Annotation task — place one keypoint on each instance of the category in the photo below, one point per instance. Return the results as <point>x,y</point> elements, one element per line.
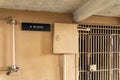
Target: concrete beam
<point>90,8</point>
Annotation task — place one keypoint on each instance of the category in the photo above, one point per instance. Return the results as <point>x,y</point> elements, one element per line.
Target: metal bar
<point>101,70</point>
<point>104,57</point>
<point>100,57</point>
<point>110,56</point>
<point>118,53</point>
<point>99,28</point>
<point>85,29</point>
<point>95,24</point>
<point>92,45</point>
<point>83,55</point>
<point>80,54</point>
<point>100,34</point>
<point>95,50</point>
<point>89,57</point>
<point>105,54</point>
<point>85,50</point>
<point>98,54</point>
<point>118,56</point>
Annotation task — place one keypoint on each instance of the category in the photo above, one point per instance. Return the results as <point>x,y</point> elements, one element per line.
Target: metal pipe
<point>13,22</point>
<point>76,64</point>
<point>84,29</point>
<point>13,41</point>
<point>64,67</point>
<point>83,55</point>
<point>14,68</point>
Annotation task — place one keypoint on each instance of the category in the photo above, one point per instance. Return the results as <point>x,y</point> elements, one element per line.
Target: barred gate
<point>99,56</point>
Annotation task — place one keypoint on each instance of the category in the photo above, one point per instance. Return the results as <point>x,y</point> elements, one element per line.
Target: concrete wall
<point>33,48</point>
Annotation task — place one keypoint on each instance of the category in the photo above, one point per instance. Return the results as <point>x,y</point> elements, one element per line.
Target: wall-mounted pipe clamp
<point>12,69</point>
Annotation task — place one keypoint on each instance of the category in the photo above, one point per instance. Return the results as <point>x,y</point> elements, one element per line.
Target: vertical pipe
<point>77,62</point>
<point>76,66</point>
<point>64,67</point>
<point>13,22</point>
<point>13,42</point>
<point>13,68</point>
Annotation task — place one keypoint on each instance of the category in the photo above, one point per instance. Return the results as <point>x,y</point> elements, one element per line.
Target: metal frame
<point>99,47</point>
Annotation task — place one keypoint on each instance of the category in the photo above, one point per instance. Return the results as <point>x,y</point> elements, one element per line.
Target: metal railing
<point>99,47</point>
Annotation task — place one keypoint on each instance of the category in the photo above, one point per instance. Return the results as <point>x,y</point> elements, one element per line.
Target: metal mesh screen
<point>99,53</point>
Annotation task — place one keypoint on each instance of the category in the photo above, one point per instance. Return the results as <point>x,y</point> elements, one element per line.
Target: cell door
<point>99,53</point>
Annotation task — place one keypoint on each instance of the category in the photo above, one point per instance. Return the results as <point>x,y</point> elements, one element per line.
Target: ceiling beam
<point>90,8</point>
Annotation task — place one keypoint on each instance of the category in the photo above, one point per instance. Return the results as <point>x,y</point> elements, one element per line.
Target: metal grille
<point>99,53</point>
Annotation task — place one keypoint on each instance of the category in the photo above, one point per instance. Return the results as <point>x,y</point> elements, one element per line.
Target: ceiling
<point>112,10</point>
<point>62,6</point>
<point>95,7</point>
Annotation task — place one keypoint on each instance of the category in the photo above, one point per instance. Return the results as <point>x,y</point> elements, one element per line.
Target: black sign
<point>35,27</point>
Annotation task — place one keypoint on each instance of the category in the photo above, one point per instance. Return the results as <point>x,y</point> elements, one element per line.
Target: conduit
<point>64,67</point>
<point>64,56</point>
<point>14,68</point>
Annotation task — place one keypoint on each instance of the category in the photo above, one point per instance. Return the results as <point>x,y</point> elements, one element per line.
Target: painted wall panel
<point>33,48</point>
